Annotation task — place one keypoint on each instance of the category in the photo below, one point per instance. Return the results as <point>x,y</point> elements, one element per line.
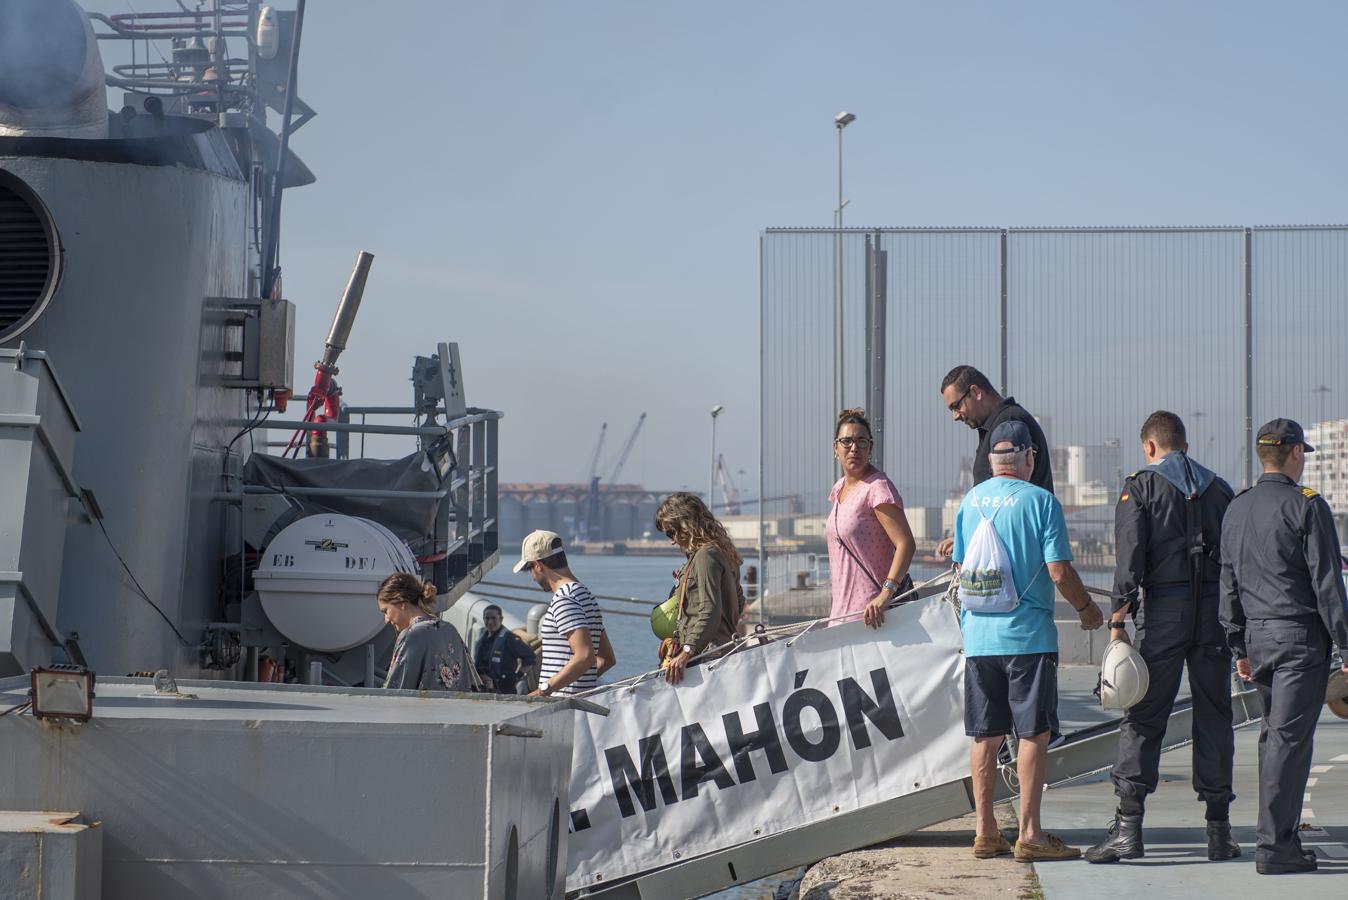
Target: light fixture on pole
<point>711,482</point>
<point>1321,390</point>
<point>841,121</point>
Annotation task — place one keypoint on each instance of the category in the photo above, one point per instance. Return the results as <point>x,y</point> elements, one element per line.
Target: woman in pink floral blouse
<point>870,545</point>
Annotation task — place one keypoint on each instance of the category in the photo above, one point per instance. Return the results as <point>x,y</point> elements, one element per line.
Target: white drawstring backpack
<point>986,582</point>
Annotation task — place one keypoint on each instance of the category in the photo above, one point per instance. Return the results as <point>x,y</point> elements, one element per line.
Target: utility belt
<point>1179,590</point>
<point>1309,618</point>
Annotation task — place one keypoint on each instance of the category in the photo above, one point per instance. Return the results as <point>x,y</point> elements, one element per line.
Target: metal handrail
<point>280,425</point>
<point>636,601</point>
<point>607,612</point>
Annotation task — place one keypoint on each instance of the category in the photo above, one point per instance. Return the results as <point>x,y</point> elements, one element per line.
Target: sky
<point>574,191</point>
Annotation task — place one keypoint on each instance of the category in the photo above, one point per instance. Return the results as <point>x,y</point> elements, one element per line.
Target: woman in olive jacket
<point>710,581</point>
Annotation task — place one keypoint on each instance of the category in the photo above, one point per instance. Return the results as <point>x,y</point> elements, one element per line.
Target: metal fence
<point>1091,329</point>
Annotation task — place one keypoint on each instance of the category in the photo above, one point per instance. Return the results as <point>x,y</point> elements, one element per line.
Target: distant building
<point>1327,468</point>
<point>625,511</point>
<point>1087,474</point>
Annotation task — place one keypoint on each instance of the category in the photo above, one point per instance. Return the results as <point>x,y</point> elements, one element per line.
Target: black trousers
<point>1172,633</point>
<point>1290,662</point>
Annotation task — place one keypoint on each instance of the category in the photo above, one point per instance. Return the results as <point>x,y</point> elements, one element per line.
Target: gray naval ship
<point>210,598</point>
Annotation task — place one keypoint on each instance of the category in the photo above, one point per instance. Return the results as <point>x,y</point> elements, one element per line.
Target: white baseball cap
<point>538,545</point>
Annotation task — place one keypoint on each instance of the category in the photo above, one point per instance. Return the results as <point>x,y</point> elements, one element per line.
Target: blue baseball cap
<point>1013,432</point>
<point>1283,431</point>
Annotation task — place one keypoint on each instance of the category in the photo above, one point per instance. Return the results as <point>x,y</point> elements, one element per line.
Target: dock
<point>939,862</point>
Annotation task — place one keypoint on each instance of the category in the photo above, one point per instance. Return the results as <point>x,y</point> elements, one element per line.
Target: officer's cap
<point>1013,432</point>
<point>1282,431</point>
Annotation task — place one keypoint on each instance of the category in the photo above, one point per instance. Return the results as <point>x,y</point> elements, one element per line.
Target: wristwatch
<point>1123,625</point>
<point>688,648</point>
<point>546,688</point>
<point>893,586</point>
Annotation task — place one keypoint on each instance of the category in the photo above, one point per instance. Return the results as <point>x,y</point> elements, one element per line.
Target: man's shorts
<point>1011,695</point>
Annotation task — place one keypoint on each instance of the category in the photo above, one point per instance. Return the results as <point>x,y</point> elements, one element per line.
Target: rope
<point>763,634</point>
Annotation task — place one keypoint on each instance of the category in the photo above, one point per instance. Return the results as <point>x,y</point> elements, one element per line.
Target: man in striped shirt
<point>576,649</point>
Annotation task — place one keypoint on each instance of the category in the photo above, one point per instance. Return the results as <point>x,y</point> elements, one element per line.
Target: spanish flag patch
<point>1124,498</point>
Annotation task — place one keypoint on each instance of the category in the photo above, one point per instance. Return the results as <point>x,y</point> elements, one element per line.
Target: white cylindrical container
<point>318,578</point>
<point>268,33</point>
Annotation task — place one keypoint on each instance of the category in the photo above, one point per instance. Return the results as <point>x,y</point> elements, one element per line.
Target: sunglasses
<point>958,403</point>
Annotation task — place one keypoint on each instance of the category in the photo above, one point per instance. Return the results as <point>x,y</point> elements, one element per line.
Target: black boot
<point>1286,867</point>
<point>1220,844</point>
<point>1123,842</point>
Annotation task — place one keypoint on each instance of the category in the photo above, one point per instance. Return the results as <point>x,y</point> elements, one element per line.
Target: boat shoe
<point>1051,849</point>
<point>988,847</point>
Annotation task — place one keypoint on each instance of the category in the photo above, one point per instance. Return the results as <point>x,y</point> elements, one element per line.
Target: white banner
<point>765,741</point>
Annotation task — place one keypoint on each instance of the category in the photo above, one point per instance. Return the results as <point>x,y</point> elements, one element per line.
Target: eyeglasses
<point>848,443</point>
<point>669,533</point>
<point>958,403</point>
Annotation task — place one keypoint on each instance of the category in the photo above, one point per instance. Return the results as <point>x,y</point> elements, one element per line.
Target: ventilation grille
<point>27,261</point>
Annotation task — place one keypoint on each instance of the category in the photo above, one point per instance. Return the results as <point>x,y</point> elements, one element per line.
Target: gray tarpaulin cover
<point>411,519</point>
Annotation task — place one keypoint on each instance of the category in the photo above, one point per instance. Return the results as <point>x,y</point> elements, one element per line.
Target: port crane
<point>730,505</point>
<point>591,527</point>
<point>590,523</point>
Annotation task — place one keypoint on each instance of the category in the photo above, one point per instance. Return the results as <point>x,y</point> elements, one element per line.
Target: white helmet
<point>1123,676</point>
<point>1336,694</point>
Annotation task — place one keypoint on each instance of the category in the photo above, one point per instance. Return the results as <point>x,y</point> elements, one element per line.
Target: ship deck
<point>135,698</point>
<point>937,862</point>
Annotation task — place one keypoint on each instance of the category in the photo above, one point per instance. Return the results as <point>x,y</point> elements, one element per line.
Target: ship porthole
<point>30,256</point>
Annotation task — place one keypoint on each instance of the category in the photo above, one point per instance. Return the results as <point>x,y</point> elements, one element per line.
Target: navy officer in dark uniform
<point>1168,527</point>
<point>1282,604</point>
<point>499,653</point>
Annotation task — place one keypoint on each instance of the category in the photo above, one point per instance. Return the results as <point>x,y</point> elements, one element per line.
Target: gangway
<point>1081,753</point>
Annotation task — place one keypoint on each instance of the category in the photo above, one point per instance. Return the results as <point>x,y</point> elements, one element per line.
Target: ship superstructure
<point>146,344</point>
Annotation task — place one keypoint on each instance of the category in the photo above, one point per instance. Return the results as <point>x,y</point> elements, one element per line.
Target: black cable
<point>264,411</point>
<point>21,706</point>
<point>140,590</point>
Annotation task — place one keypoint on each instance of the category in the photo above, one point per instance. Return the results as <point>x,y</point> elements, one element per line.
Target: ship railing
<point>466,542</point>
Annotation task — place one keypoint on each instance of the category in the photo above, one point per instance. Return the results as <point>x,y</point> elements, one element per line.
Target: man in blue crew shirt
<point>1011,658</point>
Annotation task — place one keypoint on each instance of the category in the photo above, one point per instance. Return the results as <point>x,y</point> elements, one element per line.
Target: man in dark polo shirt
<point>971,399</point>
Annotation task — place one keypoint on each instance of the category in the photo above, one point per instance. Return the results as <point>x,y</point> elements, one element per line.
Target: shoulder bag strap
<point>842,543</point>
<point>683,582</point>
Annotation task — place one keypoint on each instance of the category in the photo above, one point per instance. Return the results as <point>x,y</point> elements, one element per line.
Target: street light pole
<point>841,121</point>
<point>711,481</point>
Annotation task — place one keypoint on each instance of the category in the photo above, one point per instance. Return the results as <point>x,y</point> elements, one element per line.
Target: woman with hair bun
<point>709,585</point>
<point>870,545</point>
<point>429,655</point>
